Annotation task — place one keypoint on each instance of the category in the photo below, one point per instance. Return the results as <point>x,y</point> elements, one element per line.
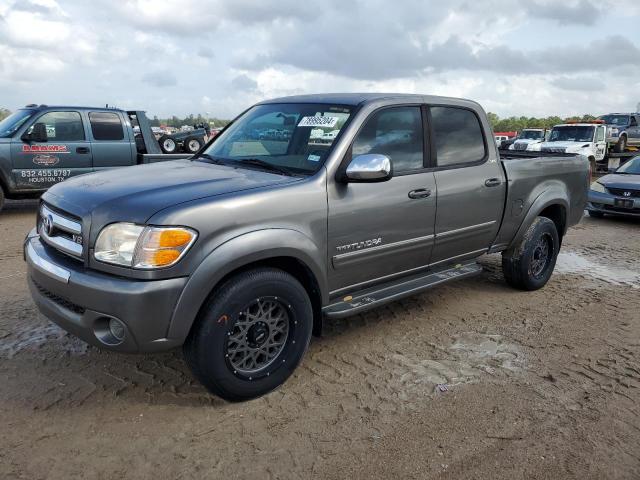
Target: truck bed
<point>533,176</point>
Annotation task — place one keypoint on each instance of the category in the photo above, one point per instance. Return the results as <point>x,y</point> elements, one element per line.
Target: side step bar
<point>388,292</point>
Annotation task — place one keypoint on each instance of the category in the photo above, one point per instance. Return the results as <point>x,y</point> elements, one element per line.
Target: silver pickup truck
<point>239,253</point>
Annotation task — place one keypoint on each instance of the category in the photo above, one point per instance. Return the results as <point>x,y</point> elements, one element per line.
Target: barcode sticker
<point>328,122</point>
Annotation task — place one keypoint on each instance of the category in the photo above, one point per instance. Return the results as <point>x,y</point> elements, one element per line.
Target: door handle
<point>82,150</point>
<point>420,193</point>
<point>492,182</point>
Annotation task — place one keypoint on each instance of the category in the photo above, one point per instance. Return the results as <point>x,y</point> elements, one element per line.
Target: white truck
<point>584,138</point>
<point>530,139</point>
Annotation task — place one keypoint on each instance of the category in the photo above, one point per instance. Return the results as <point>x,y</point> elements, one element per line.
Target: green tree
<point>4,113</point>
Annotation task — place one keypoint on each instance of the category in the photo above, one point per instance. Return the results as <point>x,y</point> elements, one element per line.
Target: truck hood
<point>528,140</point>
<point>134,194</point>
<point>623,182</point>
<point>570,146</point>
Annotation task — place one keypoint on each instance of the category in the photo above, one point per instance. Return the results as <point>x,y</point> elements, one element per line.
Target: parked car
<point>584,138</point>
<point>530,139</point>
<point>617,193</point>
<point>239,256</point>
<point>43,145</point>
<point>499,139</point>
<point>623,129</point>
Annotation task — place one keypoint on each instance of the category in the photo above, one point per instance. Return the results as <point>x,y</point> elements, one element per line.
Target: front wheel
<point>529,265</point>
<point>621,146</point>
<point>251,334</point>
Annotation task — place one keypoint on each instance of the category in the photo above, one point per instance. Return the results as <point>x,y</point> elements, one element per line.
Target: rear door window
<point>62,126</point>
<point>458,136</point>
<point>397,133</point>
<point>106,126</point>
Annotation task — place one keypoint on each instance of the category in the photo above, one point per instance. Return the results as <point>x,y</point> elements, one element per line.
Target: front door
<point>471,185</point>
<point>601,142</point>
<point>380,230</point>
<point>633,132</point>
<point>67,152</point>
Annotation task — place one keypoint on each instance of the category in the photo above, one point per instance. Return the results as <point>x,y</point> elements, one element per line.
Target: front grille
<point>60,231</point>
<point>622,192</point>
<point>554,149</point>
<point>520,146</point>
<point>57,299</point>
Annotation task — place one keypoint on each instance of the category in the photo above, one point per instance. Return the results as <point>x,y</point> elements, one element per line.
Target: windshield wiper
<point>210,159</point>
<point>265,165</point>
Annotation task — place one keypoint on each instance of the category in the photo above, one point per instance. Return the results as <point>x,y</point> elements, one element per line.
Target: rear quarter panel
<point>537,183</point>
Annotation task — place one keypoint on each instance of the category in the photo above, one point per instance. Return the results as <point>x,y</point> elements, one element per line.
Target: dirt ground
<point>469,380</point>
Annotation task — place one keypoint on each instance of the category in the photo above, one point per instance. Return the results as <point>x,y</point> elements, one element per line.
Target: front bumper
<point>605,203</point>
<point>83,301</point>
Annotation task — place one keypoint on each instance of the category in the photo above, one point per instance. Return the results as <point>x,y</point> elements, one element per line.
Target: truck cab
<point>42,145</point>
<point>530,139</point>
<point>584,138</point>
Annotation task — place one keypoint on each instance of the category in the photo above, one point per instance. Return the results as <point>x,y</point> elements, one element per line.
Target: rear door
<point>470,181</point>
<point>67,152</point>
<point>380,230</point>
<point>110,141</point>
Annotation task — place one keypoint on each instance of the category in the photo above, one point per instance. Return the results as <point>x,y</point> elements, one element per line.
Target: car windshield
<point>571,133</point>
<point>13,122</point>
<point>531,135</point>
<point>295,138</point>
<point>631,167</point>
<point>615,119</point>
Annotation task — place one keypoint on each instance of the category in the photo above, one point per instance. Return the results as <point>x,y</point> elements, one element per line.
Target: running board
<point>388,292</point>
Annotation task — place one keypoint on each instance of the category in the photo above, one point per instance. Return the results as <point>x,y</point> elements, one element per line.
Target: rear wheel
<point>251,334</point>
<point>621,146</point>
<point>529,265</point>
<point>168,144</point>
<point>192,144</point>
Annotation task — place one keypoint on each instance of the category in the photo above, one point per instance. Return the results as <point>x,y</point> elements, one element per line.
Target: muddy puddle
<point>35,338</point>
<point>470,356</point>
<point>577,264</point>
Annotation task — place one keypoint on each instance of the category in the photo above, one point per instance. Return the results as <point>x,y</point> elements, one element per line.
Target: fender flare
<point>548,198</point>
<point>236,253</point>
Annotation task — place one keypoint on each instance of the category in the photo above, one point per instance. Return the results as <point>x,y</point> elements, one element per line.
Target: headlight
<point>511,147</point>
<point>597,187</point>
<point>136,246</point>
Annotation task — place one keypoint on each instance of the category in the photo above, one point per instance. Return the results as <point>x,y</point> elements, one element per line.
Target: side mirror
<point>38,133</point>
<point>370,167</point>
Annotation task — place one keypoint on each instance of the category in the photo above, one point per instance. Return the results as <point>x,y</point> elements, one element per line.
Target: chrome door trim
<point>448,233</point>
<point>348,258</point>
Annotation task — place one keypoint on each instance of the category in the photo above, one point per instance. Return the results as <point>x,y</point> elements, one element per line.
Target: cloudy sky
<point>533,57</point>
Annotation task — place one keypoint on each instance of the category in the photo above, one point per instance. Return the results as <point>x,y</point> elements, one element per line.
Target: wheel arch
<point>552,204</point>
<point>287,250</point>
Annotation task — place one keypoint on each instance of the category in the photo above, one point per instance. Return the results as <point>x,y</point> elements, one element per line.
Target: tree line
<point>518,123</point>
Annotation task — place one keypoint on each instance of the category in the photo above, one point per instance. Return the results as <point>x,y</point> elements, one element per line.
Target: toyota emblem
<point>47,225</point>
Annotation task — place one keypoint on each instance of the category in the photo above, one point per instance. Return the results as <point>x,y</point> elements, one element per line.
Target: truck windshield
<point>572,133</point>
<point>531,135</point>
<point>290,137</point>
<point>615,119</point>
<point>13,122</point>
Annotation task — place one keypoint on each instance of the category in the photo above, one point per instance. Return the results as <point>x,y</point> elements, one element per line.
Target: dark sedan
<point>617,193</point>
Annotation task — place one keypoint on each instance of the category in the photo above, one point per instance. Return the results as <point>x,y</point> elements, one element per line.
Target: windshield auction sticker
<point>326,122</point>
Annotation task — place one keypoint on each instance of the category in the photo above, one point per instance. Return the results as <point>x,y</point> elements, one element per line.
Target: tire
<point>1,198</point>
<point>594,214</point>
<point>621,146</point>
<point>229,331</point>
<point>168,144</point>
<point>526,266</point>
<point>192,144</point>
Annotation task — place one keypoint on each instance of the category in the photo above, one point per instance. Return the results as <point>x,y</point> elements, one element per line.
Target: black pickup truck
<point>43,145</point>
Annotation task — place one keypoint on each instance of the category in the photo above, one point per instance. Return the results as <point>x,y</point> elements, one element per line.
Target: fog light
<point>117,329</point>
